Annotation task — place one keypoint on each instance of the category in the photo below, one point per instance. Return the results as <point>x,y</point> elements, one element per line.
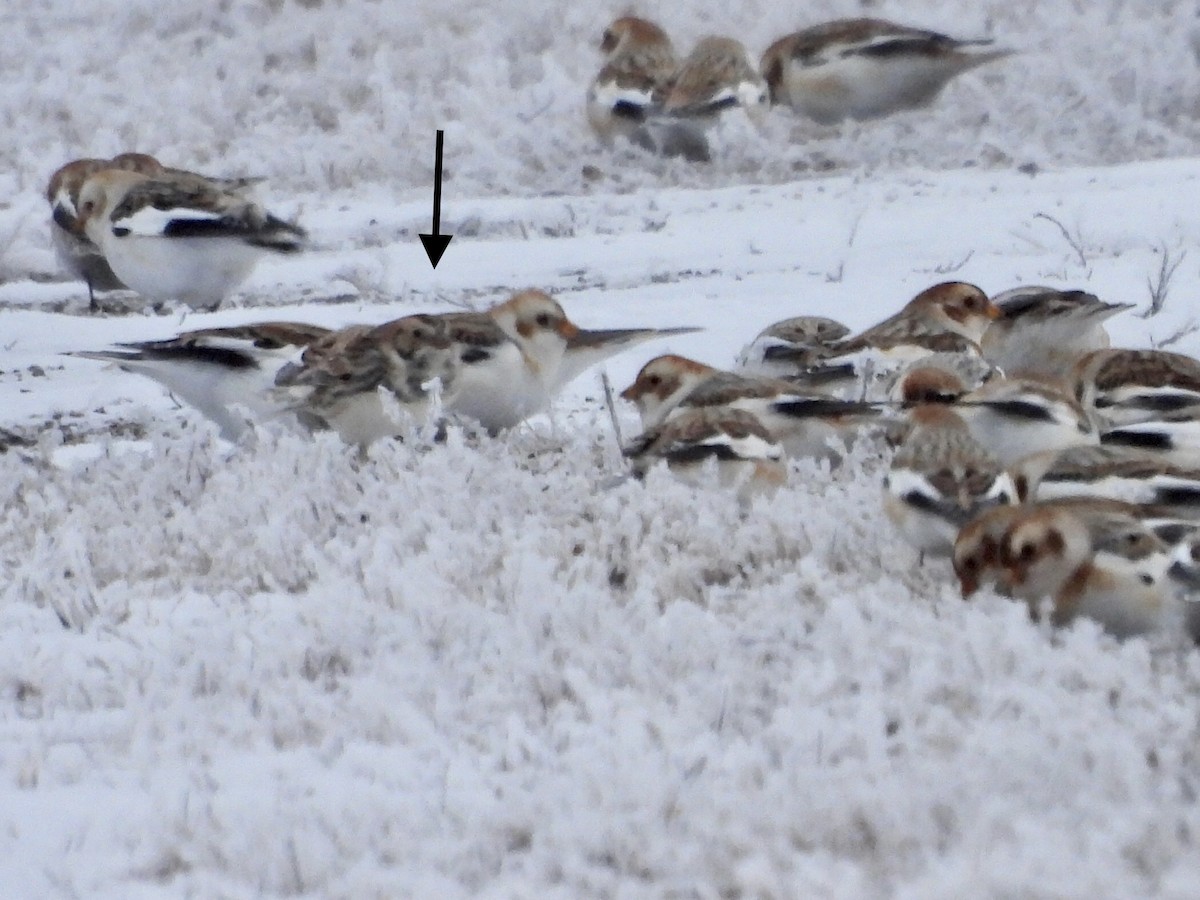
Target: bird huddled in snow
<point>1096,559</point>
<point>174,235</point>
<point>804,423</point>
<point>646,94</point>
<point>627,93</point>
<point>1014,417</point>
<point>941,478</point>
<point>76,250</point>
<point>745,454</point>
<point>797,348</point>
<point>520,354</point>
<point>947,318</point>
<point>341,379</point>
<point>1128,387</point>
<point>866,68</point>
<point>715,77</point>
<point>1041,332</point>
<point>1110,473</point>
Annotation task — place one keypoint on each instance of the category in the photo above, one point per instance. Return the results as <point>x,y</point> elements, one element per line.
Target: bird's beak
<point>969,586</point>
<point>993,312</point>
<point>587,338</point>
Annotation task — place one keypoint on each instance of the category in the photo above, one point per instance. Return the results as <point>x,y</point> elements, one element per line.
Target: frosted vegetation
<point>464,670</point>
<point>322,95</point>
<point>492,667</point>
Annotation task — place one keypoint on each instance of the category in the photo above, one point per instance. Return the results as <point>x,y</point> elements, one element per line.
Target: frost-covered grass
<point>465,670</point>
<point>322,95</point>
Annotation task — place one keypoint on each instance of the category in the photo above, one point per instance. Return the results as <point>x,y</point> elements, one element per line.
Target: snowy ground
<point>477,669</point>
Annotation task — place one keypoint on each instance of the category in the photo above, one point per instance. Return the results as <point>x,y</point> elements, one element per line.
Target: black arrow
<point>436,243</point>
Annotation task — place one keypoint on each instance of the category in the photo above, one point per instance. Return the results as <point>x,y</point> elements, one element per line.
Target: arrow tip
<point>435,246</point>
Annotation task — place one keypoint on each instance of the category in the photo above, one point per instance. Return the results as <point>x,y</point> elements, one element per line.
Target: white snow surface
<point>489,668</point>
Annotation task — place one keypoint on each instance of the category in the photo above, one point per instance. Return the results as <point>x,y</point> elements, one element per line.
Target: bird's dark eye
<point>1028,552</point>
<point>87,207</point>
<point>543,320</point>
<point>970,564</point>
<point>654,381</point>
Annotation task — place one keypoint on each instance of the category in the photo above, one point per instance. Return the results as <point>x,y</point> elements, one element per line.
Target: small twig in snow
<point>606,383</point>
<point>1075,240</point>
<point>1178,335</point>
<point>947,268</point>
<point>854,227</point>
<point>1160,287</point>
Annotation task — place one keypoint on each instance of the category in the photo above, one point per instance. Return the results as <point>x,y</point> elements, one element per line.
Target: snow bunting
<point>865,68</point>
<point>1174,436</point>
<point>146,164</point>
<point>1043,331</point>
<point>717,75</point>
<point>74,250</point>
<point>1096,559</point>
<point>976,554</point>
<point>806,425</point>
<point>745,453</point>
<point>1014,417</point>
<point>78,254</point>
<point>949,308</point>
<point>174,238</point>
<point>940,479</point>
<point>1130,386</point>
<point>663,383</point>
<point>517,356</point>
<point>796,348</point>
<point>1113,473</point>
<point>225,373</point>
<point>946,318</point>
<point>939,378</point>
<point>340,376</point>
<point>631,86</point>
